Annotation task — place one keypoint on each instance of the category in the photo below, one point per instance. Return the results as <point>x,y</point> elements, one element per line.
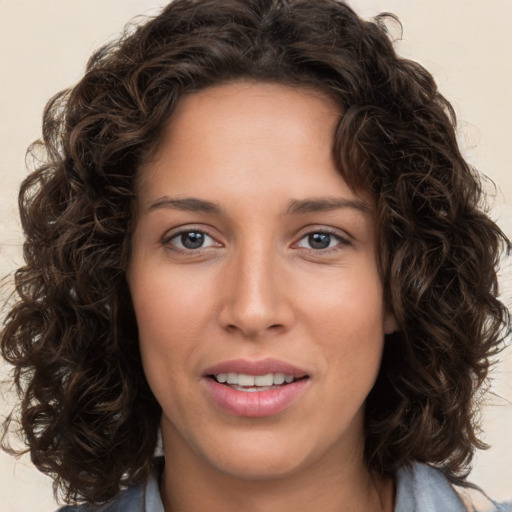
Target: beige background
<point>467,44</point>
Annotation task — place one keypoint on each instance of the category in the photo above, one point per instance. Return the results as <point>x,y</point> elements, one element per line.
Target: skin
<point>256,288</point>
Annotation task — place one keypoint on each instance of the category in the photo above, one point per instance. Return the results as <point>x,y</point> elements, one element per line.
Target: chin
<point>260,467</point>
<point>260,455</point>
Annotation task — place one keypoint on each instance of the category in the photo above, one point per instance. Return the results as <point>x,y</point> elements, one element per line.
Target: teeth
<point>241,379</point>
<point>279,378</point>
<point>245,380</point>
<point>264,380</point>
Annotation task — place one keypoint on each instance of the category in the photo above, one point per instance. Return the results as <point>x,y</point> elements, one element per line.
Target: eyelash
<point>168,240</point>
<point>341,241</point>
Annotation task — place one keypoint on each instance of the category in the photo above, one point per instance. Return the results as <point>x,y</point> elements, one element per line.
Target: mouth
<point>255,383</point>
<point>255,388</point>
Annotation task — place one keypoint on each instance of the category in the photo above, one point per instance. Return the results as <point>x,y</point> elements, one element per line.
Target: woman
<point>255,235</point>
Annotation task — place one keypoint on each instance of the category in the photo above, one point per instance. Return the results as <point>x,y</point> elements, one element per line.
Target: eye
<point>321,240</point>
<point>190,240</point>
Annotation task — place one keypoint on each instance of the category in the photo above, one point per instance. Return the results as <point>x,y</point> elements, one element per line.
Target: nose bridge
<point>254,301</point>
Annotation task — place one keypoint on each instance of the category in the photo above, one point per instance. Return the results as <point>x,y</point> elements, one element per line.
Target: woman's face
<point>254,262</point>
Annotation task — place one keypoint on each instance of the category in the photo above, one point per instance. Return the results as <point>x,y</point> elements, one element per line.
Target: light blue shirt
<point>420,488</point>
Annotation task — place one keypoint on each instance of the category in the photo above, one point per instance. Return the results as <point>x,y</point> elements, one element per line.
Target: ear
<point>390,324</point>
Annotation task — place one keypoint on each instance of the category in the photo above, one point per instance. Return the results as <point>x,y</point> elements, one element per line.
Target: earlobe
<point>390,324</point>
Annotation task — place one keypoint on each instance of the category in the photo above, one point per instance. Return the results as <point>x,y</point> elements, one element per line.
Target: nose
<point>255,295</point>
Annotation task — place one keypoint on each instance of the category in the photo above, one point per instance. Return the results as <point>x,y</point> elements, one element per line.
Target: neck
<point>189,485</point>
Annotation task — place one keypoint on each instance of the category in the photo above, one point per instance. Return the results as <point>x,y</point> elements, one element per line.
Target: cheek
<point>350,302</point>
<point>346,317</point>
<point>166,354</point>
<point>163,320</point>
<point>173,308</point>
<point>169,304</point>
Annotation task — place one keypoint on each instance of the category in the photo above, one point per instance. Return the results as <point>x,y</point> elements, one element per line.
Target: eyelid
<point>343,238</point>
<point>176,232</point>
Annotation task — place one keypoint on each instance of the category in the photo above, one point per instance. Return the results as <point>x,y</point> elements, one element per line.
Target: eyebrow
<point>322,204</point>
<point>296,206</point>
<point>188,204</point>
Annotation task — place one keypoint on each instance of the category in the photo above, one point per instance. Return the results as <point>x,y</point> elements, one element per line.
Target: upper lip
<point>253,367</point>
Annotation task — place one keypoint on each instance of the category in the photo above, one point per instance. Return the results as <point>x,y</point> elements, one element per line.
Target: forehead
<point>203,121</point>
<point>250,137</point>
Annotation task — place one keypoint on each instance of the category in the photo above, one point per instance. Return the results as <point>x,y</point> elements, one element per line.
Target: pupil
<point>192,240</point>
<point>319,240</point>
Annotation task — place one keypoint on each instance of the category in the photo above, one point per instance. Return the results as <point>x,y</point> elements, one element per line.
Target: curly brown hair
<point>87,414</point>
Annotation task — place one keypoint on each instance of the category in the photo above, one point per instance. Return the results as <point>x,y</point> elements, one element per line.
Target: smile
<point>255,388</point>
<point>250,383</point>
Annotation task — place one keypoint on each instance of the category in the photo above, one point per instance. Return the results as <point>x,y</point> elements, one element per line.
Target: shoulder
<point>422,488</point>
<point>129,500</point>
<point>140,498</point>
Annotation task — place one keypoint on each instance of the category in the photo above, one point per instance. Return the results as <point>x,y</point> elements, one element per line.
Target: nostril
<point>249,330</point>
<point>254,319</point>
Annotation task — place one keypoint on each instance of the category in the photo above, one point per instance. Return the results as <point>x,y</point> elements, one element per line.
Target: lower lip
<point>255,404</point>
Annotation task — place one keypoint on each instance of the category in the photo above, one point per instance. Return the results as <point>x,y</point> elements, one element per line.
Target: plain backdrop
<point>466,44</point>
